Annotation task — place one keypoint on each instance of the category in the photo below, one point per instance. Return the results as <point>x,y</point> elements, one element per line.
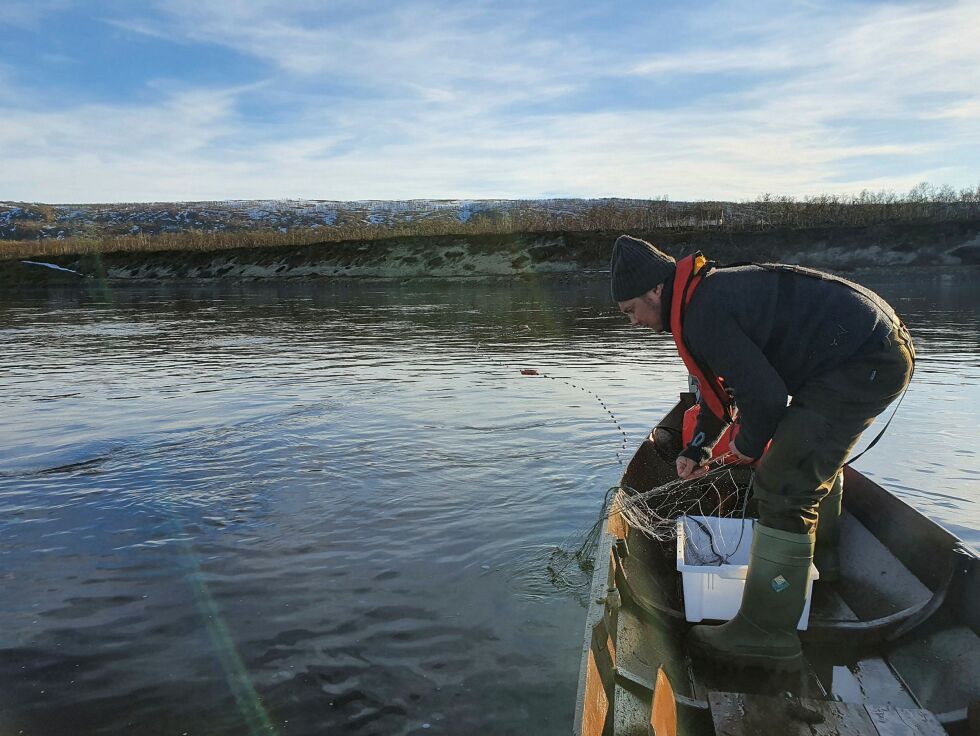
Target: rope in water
<point>534,372</point>
<point>622,449</point>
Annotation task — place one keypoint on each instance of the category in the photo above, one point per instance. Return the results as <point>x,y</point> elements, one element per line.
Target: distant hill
<point>136,226</point>
<point>462,238</point>
<point>21,221</point>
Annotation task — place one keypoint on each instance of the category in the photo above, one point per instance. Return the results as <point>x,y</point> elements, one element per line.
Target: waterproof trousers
<point>821,427</point>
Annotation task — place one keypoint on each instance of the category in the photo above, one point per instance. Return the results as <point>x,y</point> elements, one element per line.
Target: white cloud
<point>423,42</point>
<point>440,108</point>
<point>719,61</point>
<point>185,123</point>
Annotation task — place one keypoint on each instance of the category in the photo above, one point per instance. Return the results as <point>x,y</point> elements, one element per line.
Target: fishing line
<point>534,372</point>
<point>622,449</point>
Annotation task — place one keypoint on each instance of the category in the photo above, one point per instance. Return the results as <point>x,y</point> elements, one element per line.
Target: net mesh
<point>721,492</point>
<point>655,512</point>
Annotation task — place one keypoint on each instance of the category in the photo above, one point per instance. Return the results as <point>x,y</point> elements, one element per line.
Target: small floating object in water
<point>529,372</point>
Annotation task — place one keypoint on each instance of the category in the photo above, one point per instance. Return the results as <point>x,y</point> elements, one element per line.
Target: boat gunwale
<point>962,565</point>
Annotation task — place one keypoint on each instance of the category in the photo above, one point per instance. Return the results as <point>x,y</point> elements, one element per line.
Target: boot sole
<point>744,660</point>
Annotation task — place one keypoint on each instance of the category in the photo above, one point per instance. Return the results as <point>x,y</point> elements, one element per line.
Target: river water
<point>306,508</point>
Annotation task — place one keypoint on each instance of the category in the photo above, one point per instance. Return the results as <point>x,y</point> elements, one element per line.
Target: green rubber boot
<point>763,632</point>
<point>826,553</point>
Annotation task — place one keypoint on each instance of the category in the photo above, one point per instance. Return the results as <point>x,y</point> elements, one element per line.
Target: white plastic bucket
<point>713,559</point>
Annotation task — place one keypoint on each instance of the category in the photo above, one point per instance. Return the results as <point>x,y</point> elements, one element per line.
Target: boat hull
<point>896,636</point>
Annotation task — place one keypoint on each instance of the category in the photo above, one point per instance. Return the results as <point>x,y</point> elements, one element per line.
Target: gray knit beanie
<point>636,267</point>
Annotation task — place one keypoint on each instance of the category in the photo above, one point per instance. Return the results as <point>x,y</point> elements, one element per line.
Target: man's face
<point>645,310</point>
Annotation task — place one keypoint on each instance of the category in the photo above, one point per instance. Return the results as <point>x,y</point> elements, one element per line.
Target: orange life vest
<point>690,272</point>
<point>724,442</point>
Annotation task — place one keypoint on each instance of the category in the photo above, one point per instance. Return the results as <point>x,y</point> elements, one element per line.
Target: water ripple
<point>343,509</point>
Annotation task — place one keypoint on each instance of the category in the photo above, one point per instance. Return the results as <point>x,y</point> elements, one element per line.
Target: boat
<point>891,648</point>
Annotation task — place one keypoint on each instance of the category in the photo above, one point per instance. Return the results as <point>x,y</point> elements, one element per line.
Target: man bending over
<point>753,336</point>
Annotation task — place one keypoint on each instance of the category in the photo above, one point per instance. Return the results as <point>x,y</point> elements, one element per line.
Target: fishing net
<point>722,492</point>
<point>654,513</point>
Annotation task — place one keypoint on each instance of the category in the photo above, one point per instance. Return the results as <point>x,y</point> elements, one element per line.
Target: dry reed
<point>922,204</point>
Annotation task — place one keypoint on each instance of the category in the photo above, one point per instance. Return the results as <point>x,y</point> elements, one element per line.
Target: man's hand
<point>743,459</point>
<point>687,468</point>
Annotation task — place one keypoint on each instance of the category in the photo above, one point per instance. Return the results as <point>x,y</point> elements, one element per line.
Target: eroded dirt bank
<point>571,253</point>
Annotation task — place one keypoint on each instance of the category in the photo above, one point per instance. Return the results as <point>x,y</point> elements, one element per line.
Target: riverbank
<point>517,254</point>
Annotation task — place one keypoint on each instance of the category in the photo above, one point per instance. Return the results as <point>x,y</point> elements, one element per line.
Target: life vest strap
<point>690,273</point>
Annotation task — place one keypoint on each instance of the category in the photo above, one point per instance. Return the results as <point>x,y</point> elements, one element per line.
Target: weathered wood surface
<point>740,714</point>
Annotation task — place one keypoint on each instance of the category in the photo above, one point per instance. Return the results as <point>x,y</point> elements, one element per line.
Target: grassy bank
<point>569,254</point>
<point>46,231</point>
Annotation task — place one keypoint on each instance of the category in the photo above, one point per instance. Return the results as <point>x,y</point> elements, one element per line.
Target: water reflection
<point>341,499</point>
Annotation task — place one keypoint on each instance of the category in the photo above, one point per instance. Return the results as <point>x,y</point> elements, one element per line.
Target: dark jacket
<point>767,330</point>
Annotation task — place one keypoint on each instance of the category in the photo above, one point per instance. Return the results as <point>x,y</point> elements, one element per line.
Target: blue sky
<point>112,100</point>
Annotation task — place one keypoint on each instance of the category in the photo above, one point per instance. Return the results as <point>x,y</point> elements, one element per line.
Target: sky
<point>184,100</point>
